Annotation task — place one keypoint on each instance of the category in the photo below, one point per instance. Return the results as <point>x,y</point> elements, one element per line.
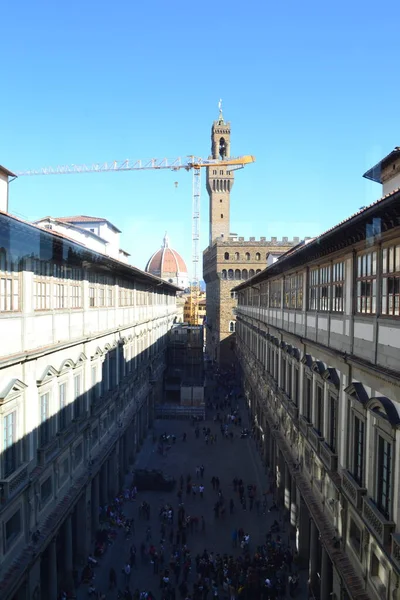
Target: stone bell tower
<point>219,181</point>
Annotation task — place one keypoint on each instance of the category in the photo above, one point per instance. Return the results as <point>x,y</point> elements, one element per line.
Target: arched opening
<point>226,255</point>
<point>222,216</point>
<point>258,271</point>
<point>222,148</point>
<point>238,274</point>
<point>230,274</point>
<point>232,326</point>
<point>221,200</point>
<point>245,274</point>
<point>251,273</point>
<point>247,255</point>
<point>236,255</point>
<point>258,256</point>
<point>223,274</point>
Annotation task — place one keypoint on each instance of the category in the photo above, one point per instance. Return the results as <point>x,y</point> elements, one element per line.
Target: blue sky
<point>311,90</point>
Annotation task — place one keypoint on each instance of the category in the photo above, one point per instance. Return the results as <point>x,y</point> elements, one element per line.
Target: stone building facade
<point>318,346</point>
<point>228,258</point>
<point>224,264</point>
<point>83,342</point>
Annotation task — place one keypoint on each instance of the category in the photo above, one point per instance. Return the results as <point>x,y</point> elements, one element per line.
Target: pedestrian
<point>202,471</point>
<point>127,573</point>
<point>112,579</point>
<point>201,490</point>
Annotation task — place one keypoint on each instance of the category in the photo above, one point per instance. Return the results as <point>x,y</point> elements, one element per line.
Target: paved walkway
<point>224,459</point>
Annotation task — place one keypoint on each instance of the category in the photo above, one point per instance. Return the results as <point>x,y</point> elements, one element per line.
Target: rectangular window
<point>338,287</point>
<point>76,296</point>
<point>42,295</point>
<point>62,415</point>
<point>391,281</point>
<point>307,399</point>
<point>319,411</point>
<point>59,296</point>
<point>324,287</point>
<point>44,430</point>
<point>110,297</point>
<point>283,373</point>
<point>46,490</point>
<point>296,380</point>
<point>13,528</point>
<point>78,398</point>
<point>358,450</point>
<point>101,296</point>
<point>384,476</point>
<point>10,451</point>
<point>275,294</point>
<point>289,379</point>
<point>92,296</point>
<point>293,286</point>
<point>313,289</point>
<point>9,293</point>
<point>355,537</point>
<point>366,283</point>
<point>333,416</point>
<point>93,385</point>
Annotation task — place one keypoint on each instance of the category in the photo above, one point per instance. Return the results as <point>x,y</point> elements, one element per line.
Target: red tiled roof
<point>166,260</point>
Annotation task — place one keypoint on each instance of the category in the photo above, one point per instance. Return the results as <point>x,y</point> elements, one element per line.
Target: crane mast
<point>189,163</point>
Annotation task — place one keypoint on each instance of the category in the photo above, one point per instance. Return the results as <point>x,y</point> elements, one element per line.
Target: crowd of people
<point>246,570</point>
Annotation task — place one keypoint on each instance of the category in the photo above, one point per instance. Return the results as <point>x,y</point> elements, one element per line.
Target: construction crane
<point>190,163</point>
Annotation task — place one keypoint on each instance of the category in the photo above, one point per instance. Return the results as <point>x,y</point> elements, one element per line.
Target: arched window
<point>226,255</point>
<point>232,326</point>
<point>220,199</point>
<point>237,255</point>
<point>222,216</point>
<point>223,274</point>
<point>230,274</point>
<point>247,255</point>
<point>258,271</point>
<point>251,273</point>
<point>258,256</point>
<point>238,274</point>
<point>214,186</point>
<point>229,186</point>
<point>244,274</point>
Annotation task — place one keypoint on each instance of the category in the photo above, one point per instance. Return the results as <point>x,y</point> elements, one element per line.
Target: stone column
<point>104,484</point>
<point>67,558</point>
<point>287,489</point>
<point>293,509</point>
<point>53,584</point>
<point>303,540</point>
<point>111,476</point>
<point>326,575</point>
<point>95,503</point>
<point>314,558</point>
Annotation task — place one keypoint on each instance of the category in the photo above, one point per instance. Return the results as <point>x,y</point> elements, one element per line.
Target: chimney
<point>4,175</point>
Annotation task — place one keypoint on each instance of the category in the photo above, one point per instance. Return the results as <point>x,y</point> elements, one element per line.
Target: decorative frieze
<point>13,484</point>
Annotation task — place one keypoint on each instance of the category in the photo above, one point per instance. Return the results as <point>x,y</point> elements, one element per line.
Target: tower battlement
<point>273,241</point>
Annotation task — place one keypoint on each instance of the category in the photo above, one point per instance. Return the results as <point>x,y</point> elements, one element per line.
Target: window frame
<point>366,279</point>
<point>390,271</point>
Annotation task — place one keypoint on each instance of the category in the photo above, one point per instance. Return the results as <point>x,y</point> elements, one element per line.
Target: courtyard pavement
<point>223,459</point>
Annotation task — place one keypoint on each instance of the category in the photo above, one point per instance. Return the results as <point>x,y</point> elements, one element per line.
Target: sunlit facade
<point>82,357</point>
<point>318,344</point>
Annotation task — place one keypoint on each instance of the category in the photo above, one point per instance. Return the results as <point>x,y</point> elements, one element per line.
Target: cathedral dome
<point>169,265</point>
